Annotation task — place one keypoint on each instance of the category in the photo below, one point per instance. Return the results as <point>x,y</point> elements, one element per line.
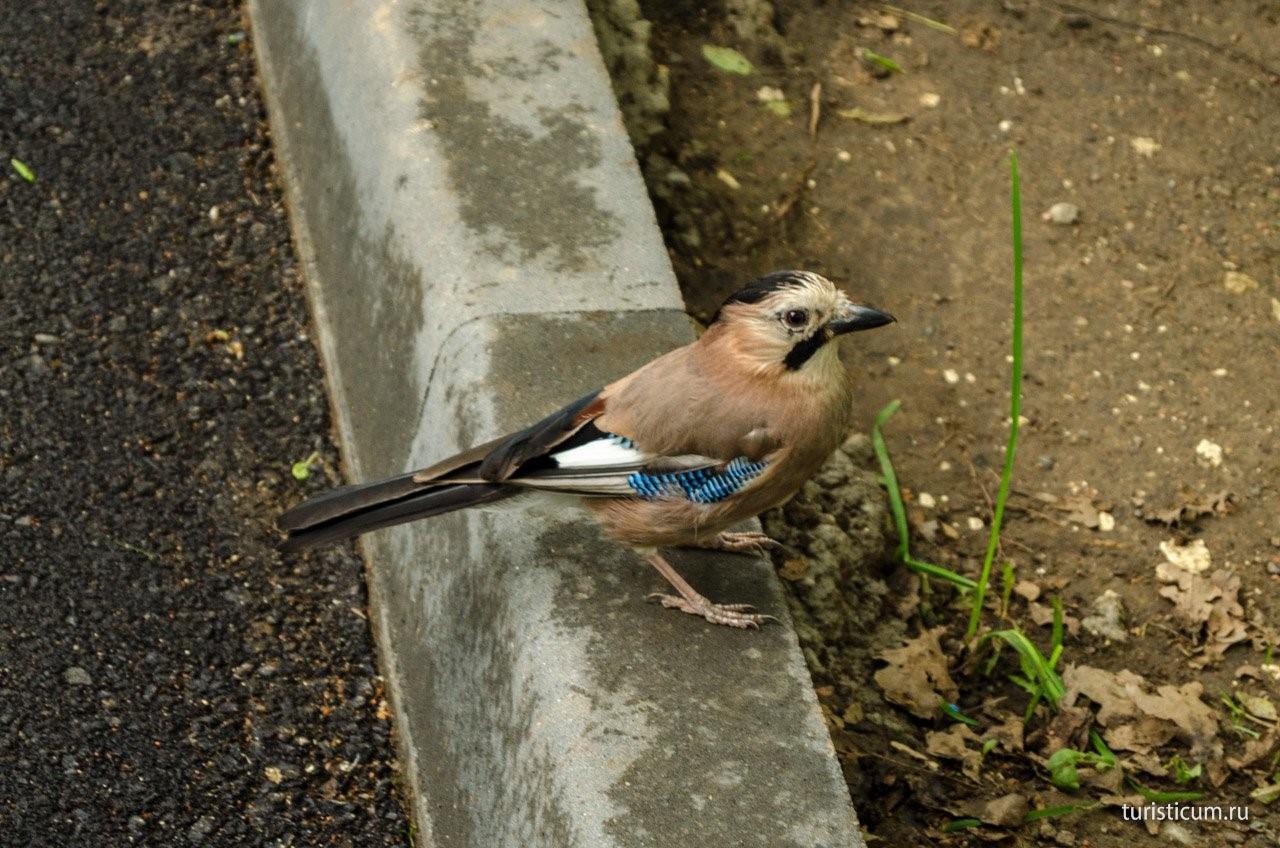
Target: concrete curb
<point>480,249</point>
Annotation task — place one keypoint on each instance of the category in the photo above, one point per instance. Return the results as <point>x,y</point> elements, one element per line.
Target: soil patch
<point>1153,324</point>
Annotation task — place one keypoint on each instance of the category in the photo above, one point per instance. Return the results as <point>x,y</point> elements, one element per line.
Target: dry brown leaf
<point>917,676</point>
<point>1191,506</point>
<point>1042,615</point>
<point>1122,698</point>
<point>1255,750</point>
<point>1213,602</point>
<point>1108,780</point>
<point>1259,706</point>
<point>1009,733</point>
<point>1081,508</point>
<point>952,744</point>
<point>1107,619</point>
<point>1027,590</point>
<point>1143,735</point>
<point>1066,729</point>
<point>1005,811</point>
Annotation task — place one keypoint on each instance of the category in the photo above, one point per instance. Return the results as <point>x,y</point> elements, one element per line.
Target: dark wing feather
<point>537,440</point>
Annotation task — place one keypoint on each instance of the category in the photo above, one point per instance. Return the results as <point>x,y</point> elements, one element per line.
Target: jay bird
<point>673,454</point>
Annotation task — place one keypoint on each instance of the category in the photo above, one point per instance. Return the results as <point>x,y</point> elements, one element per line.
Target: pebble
<point>930,99</point>
<point>45,338</point>
<point>1275,308</point>
<point>77,676</point>
<point>1238,282</point>
<point>1107,617</point>
<point>1062,213</point>
<point>1209,453</point>
<point>202,828</point>
<point>1144,146</point>
<point>951,376</point>
<point>975,523</point>
<point>926,500</point>
<point>844,155</point>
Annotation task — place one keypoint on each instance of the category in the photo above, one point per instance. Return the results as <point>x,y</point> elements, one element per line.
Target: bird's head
<point>784,322</point>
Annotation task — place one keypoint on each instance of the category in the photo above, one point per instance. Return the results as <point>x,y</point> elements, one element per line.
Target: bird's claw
<point>747,542</point>
<point>730,615</point>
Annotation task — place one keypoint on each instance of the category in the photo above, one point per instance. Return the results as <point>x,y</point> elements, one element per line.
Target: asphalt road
<point>165,678</point>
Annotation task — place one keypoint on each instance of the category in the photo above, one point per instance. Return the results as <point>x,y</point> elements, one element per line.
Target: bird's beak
<point>856,317</point>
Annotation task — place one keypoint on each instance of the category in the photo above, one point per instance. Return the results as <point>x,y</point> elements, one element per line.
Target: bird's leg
<point>740,543</point>
<point>691,601</point>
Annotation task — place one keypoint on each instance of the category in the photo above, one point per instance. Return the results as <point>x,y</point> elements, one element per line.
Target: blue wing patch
<point>702,485</point>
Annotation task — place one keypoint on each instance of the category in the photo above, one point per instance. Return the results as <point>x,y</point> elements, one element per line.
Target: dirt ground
<point>1151,373</point>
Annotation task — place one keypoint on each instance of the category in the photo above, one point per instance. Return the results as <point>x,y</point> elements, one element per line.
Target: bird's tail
<point>352,510</point>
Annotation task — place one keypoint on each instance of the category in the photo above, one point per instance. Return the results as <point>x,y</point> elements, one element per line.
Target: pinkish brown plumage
<point>675,453</point>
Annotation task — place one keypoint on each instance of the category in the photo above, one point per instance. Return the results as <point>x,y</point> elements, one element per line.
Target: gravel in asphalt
<point>165,678</point>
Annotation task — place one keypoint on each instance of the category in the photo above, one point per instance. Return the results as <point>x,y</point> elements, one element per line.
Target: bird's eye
<point>795,318</point>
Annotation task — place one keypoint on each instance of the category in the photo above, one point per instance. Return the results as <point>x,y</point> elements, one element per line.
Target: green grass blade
<point>1157,797</point>
<point>883,61</point>
<point>890,476</point>
<point>961,824</point>
<point>1108,756</point>
<point>890,480</point>
<point>931,570</point>
<point>952,711</point>
<point>23,170</point>
<point>1015,402</point>
<point>915,16</point>
<point>1034,664</point>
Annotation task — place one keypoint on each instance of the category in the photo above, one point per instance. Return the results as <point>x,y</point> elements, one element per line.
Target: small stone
<point>1107,619</point>
<point>975,523</point>
<point>951,376</point>
<point>926,500</point>
<point>45,338</point>
<point>1144,146</point>
<point>1275,308</point>
<point>1238,282</point>
<point>930,99</point>
<point>1209,453</point>
<point>273,774</point>
<point>1046,462</point>
<point>1005,125</point>
<point>1106,522</point>
<point>844,155</point>
<point>202,828</point>
<point>77,676</point>
<point>1062,213</point>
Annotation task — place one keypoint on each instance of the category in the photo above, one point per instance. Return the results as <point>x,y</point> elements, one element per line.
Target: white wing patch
<point>601,453</point>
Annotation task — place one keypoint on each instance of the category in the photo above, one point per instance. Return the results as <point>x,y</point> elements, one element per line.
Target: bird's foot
<point>749,542</point>
<point>730,615</point>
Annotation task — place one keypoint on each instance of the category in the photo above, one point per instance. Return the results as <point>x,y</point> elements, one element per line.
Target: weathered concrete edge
<point>489,329</point>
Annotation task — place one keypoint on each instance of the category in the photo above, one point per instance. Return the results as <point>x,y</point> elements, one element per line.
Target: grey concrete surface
<point>480,250</point>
